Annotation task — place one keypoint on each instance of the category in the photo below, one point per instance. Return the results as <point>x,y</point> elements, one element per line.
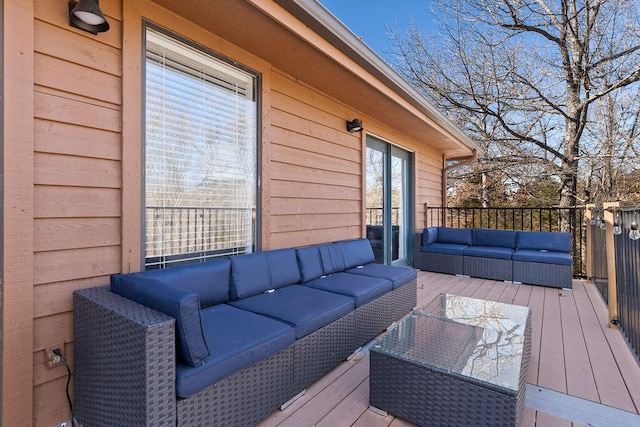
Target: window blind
<point>200,154</point>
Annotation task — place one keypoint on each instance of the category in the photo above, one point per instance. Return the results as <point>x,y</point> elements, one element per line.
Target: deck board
<point>573,352</point>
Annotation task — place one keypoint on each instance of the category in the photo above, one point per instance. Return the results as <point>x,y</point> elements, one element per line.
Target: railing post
<point>611,265</point>
<point>588,214</point>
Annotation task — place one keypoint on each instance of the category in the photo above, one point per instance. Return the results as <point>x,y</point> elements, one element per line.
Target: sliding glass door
<point>388,201</point>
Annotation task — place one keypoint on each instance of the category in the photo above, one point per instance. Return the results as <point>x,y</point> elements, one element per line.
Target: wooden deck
<point>573,353</point>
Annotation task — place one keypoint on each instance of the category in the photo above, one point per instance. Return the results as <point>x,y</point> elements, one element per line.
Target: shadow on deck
<point>581,372</point>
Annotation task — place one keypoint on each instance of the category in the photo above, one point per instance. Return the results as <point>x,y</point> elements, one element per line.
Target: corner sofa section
<point>531,257</point>
<point>226,342</point>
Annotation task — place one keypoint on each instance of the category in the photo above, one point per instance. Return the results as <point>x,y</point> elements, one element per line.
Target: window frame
<point>256,230</point>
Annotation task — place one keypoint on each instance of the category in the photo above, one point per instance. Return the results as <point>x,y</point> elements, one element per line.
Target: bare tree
<point>521,76</point>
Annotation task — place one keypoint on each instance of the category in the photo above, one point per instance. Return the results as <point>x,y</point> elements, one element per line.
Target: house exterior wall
<point>72,156</point>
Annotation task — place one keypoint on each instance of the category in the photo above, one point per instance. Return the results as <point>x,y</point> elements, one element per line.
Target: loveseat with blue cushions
<point>531,257</point>
<point>226,342</point>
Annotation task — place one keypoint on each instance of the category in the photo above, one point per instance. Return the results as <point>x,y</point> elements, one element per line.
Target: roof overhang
<point>304,40</point>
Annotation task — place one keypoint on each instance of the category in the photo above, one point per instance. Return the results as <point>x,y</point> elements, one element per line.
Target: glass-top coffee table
<point>458,361</point>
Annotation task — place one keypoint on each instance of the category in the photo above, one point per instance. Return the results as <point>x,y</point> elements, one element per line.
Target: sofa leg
<point>292,400</point>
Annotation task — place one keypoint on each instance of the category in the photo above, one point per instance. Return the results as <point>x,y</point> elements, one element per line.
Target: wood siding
<point>74,180</point>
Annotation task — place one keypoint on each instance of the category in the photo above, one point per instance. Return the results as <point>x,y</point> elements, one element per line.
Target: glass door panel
<point>388,201</point>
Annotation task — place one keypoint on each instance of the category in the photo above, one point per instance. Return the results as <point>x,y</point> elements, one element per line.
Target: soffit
<point>322,67</point>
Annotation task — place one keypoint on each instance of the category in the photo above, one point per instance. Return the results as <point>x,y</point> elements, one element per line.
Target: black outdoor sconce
<point>354,125</point>
<point>86,15</point>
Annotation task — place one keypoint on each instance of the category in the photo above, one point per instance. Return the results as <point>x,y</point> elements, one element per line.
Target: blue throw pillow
<point>182,305</point>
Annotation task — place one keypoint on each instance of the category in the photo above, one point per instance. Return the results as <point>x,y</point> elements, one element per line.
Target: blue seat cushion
<point>306,309</point>
<point>332,259</point>
<point>283,264</point>
<point>182,305</point>
<point>429,236</point>
<point>362,289</point>
<point>543,256</point>
<point>399,276</point>
<point>495,238</point>
<point>488,252</point>
<point>356,252</point>
<point>544,240</point>
<point>444,248</point>
<point>458,236</point>
<point>250,275</point>
<point>238,339</point>
<point>310,263</point>
<point>210,280</point>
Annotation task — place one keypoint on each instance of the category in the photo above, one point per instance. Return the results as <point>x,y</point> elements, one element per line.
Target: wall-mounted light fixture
<point>354,125</point>
<point>86,15</point>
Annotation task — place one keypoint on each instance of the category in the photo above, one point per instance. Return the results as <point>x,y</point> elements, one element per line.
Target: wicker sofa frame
<point>532,273</point>
<point>125,363</point>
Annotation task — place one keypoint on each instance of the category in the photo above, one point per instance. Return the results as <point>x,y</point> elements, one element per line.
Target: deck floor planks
<point>341,397</point>
<point>551,367</point>
<point>612,390</point>
<point>579,376</point>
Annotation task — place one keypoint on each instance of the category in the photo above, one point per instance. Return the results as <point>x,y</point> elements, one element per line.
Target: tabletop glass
<point>482,340</point>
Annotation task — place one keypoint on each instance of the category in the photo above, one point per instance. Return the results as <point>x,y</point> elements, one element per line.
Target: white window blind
<point>200,154</point>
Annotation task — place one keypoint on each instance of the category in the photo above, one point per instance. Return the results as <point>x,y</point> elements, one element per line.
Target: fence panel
<point>628,281</point>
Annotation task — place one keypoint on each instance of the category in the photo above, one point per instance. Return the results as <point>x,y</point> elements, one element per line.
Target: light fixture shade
<point>354,125</point>
<point>86,15</point>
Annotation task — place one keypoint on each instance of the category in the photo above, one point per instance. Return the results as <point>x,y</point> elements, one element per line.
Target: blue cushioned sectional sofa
<point>532,257</point>
<point>228,341</point>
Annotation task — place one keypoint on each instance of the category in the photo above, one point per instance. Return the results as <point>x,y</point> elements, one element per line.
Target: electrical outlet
<point>51,360</point>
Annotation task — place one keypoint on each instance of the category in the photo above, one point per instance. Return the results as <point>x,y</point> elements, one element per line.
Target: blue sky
<point>367,18</point>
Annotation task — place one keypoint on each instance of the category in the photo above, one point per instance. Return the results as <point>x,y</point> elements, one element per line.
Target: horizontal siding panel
<point>289,223</point>
<point>66,44</point>
<point>316,131</point>
<point>61,109</point>
<point>314,237</point>
<point>52,298</point>
<point>76,79</point>
<point>59,266</point>
<point>289,206</point>
<point>65,202</point>
<point>54,169</point>
<point>305,190</point>
<point>293,173</point>
<point>295,156</point>
<point>308,143</point>
<point>50,403</point>
<point>72,233</point>
<point>51,329</point>
<point>67,138</point>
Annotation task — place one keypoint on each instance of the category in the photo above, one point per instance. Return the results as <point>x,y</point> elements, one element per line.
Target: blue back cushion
<point>429,236</point>
<point>458,236</point>
<point>283,264</point>
<point>310,263</point>
<point>544,241</point>
<point>494,238</point>
<point>210,280</point>
<point>250,275</point>
<point>356,252</point>
<point>332,259</point>
<point>178,303</point>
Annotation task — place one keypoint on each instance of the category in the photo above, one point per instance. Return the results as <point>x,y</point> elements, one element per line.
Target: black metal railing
<point>178,235</point>
<point>598,255</point>
<point>375,216</point>
<point>526,219</point>
<point>627,254</point>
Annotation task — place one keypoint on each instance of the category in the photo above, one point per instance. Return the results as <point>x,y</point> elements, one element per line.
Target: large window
<point>200,154</point>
